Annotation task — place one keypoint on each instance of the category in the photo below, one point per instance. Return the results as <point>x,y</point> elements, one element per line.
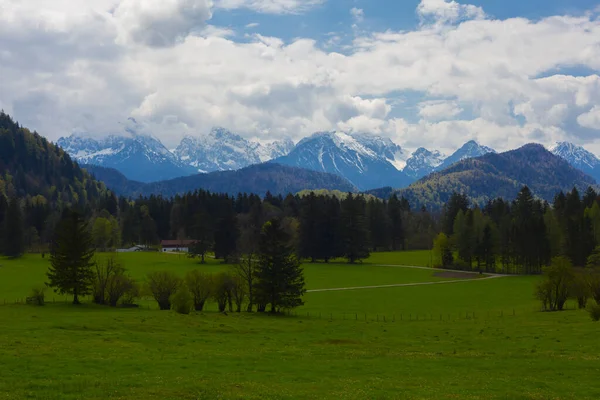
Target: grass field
<point>62,351</point>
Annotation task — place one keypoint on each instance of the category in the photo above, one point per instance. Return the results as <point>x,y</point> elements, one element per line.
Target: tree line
<point>519,237</point>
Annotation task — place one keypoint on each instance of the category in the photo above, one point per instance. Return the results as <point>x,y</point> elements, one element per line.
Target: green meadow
<point>473,339</point>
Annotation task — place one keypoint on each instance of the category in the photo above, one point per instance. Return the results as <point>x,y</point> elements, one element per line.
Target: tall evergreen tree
<point>72,251</point>
<point>355,232</point>
<point>395,210</point>
<point>309,231</point>
<point>458,202</point>
<point>279,276</point>
<point>14,245</point>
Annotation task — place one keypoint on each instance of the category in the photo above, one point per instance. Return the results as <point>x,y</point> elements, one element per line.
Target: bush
<point>37,296</point>
<point>162,285</point>
<point>182,301</point>
<point>200,286</point>
<point>553,291</point>
<point>594,310</point>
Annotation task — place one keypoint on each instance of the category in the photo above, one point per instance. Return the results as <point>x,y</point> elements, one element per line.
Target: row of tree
<point>519,237</point>
<point>274,278</point>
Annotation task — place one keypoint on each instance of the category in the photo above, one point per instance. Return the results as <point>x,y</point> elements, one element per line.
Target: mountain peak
<point>578,157</point>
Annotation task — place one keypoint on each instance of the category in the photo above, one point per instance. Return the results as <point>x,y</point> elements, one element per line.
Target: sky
<point>431,73</point>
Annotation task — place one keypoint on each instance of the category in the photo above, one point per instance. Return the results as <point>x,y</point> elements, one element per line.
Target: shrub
<point>594,310</point>
<point>182,301</point>
<point>200,286</point>
<point>553,291</point>
<point>162,285</point>
<point>37,296</point>
<point>222,291</point>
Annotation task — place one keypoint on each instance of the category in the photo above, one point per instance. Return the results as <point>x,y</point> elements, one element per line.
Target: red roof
<point>176,243</point>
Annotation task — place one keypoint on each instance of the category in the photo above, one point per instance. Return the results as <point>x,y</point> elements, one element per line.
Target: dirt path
<point>405,284</point>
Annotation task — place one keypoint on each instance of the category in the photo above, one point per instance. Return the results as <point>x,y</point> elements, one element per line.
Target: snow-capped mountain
<point>471,149</point>
<point>423,162</point>
<point>578,157</point>
<point>383,147</point>
<point>222,150</point>
<point>139,157</point>
<point>350,157</point>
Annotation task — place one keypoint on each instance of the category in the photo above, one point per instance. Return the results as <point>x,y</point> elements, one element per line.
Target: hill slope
<point>258,179</point>
<point>31,166</point>
<point>499,175</point>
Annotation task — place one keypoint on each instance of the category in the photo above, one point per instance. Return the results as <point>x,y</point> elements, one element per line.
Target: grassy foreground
<point>465,344</point>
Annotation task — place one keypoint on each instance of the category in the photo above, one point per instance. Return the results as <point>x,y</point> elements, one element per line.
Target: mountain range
<point>499,175</point>
<point>258,179</point>
<point>365,160</point>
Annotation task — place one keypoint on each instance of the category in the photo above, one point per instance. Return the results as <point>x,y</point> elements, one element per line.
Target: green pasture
<point>478,339</point>
<point>18,276</point>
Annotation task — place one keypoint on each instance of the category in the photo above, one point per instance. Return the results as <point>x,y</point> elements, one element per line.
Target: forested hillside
<point>499,175</point>
<point>258,179</point>
<point>37,181</point>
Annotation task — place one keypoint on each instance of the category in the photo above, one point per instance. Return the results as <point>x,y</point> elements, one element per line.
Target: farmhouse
<point>176,245</point>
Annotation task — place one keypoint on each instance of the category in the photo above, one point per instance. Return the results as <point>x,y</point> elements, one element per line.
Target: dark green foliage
<point>355,232</point>
<point>37,296</point>
<point>202,234</point>
<point>226,231</point>
<point>279,276</point>
<point>594,311</point>
<point>458,202</point>
<point>13,245</point>
<point>553,291</point>
<point>182,301</point>
<point>71,257</point>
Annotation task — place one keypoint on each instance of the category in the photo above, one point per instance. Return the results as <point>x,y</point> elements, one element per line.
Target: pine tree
<point>14,245</point>
<point>309,227</point>
<point>279,276</point>
<point>71,257</point>
<point>395,209</point>
<point>354,228</point>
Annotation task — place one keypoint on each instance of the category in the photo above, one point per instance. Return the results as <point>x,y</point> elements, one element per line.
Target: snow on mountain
<point>360,159</point>
<point>384,147</point>
<point>139,157</point>
<point>578,157</point>
<point>471,149</point>
<point>222,150</point>
<point>423,162</point>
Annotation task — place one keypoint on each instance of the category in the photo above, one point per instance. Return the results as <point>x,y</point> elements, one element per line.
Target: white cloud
<point>590,119</point>
<point>437,110</point>
<point>75,66</point>
<point>448,10</point>
<point>270,6</point>
<point>161,23</point>
<point>358,14</point>
<point>252,25</point>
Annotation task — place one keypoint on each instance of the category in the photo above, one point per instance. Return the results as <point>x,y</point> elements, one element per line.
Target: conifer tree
<point>72,251</point>
<point>14,245</point>
<point>279,276</point>
<point>354,228</point>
